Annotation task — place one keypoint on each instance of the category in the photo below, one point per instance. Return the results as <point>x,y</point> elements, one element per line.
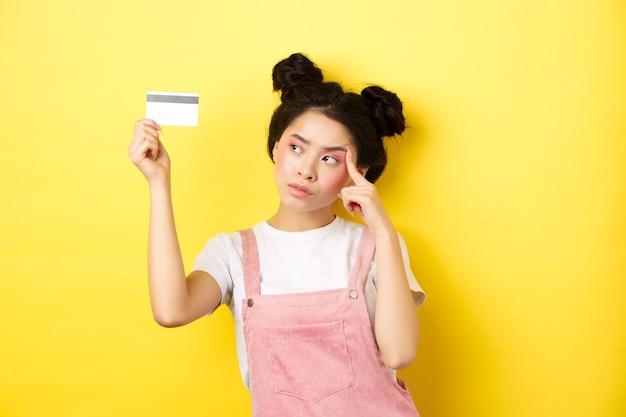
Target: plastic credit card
<point>172,109</point>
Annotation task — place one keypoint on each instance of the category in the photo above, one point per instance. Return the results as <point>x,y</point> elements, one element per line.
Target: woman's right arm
<point>175,299</point>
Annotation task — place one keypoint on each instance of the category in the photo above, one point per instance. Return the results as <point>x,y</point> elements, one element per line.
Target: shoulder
<point>224,245</point>
<point>224,242</point>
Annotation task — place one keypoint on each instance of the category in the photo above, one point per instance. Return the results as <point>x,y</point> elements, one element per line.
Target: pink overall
<point>314,354</point>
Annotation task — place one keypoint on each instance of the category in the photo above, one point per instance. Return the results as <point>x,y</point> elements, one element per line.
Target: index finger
<point>354,173</point>
<point>149,122</point>
<point>147,126</point>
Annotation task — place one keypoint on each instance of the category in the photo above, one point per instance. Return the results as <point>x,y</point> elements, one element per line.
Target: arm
<point>175,299</point>
<point>395,322</point>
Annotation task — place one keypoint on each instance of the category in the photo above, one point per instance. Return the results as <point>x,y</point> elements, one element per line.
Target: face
<point>310,162</point>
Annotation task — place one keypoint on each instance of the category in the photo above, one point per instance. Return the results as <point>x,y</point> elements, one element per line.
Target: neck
<point>288,220</point>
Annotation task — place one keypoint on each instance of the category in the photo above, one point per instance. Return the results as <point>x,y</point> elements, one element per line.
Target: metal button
<point>250,302</point>
<point>353,294</point>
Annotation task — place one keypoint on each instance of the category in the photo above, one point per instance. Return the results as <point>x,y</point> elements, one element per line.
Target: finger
<point>350,200</point>
<point>142,152</point>
<point>146,128</point>
<point>144,134</point>
<point>147,135</point>
<point>153,150</point>
<point>352,206</point>
<point>148,148</point>
<point>352,169</point>
<point>147,122</point>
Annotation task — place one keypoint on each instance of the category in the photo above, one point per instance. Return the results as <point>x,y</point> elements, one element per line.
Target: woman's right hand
<point>147,152</point>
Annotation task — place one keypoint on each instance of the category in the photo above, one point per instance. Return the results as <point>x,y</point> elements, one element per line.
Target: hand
<point>147,152</point>
<point>362,197</point>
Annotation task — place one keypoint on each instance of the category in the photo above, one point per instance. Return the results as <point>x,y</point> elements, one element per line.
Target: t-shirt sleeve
<point>419,296</point>
<point>216,260</point>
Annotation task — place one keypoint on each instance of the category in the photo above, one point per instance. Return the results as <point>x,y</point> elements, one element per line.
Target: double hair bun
<point>297,75</point>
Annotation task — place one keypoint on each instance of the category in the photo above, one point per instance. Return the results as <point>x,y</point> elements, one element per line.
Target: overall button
<point>250,302</point>
<point>353,294</point>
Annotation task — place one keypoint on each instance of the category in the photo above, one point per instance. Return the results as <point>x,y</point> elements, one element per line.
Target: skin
<point>314,165</point>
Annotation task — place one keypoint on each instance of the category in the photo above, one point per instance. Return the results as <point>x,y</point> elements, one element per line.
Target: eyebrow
<point>329,148</point>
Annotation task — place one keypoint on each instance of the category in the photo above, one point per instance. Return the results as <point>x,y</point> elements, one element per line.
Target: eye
<point>295,148</point>
<point>330,159</point>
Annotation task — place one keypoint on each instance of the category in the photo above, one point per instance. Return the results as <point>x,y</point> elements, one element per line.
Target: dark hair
<point>369,116</point>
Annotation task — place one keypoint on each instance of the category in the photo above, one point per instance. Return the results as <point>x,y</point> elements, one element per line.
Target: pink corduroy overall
<point>314,353</point>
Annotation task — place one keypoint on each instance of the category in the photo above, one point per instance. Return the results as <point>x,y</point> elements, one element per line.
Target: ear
<point>363,171</point>
<point>274,150</point>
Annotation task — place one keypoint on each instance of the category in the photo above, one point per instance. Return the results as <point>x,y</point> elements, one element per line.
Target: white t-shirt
<point>291,262</point>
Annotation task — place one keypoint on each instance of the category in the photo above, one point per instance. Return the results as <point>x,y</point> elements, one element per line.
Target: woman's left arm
<point>395,322</point>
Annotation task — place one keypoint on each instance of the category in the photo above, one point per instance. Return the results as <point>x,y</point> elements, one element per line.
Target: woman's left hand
<point>362,197</point>
<point>395,321</point>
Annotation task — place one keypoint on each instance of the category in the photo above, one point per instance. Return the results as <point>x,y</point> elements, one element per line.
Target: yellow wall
<point>510,189</point>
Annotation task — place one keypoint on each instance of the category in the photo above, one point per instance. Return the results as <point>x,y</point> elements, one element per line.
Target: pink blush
<point>336,179</point>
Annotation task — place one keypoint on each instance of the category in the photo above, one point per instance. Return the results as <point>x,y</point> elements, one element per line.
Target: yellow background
<point>509,187</point>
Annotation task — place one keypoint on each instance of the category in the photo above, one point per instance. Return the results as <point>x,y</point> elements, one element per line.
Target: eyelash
<point>298,149</point>
<point>327,157</point>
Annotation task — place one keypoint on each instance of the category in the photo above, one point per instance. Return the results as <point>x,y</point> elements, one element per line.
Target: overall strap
<point>250,258</point>
<point>363,260</point>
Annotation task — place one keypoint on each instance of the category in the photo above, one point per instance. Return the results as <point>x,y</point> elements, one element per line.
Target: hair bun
<point>293,72</point>
<point>387,110</point>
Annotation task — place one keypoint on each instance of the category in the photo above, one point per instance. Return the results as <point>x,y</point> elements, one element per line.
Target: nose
<point>306,169</point>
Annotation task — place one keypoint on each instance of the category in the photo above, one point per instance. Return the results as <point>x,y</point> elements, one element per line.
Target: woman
<point>324,308</point>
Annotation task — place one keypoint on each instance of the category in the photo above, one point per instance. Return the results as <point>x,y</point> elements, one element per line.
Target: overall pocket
<point>311,361</point>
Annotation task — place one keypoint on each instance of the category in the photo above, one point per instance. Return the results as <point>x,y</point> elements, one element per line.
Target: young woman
<point>324,307</point>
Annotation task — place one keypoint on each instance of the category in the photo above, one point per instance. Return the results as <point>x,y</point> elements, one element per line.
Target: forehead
<point>318,129</point>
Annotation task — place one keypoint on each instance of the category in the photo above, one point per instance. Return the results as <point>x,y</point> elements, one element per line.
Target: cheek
<point>338,179</point>
<point>281,161</point>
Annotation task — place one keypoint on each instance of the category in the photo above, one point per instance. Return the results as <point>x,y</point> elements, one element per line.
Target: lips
<point>299,190</point>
